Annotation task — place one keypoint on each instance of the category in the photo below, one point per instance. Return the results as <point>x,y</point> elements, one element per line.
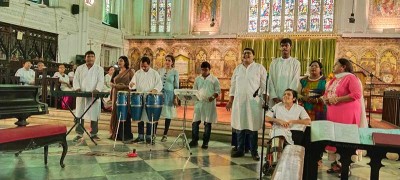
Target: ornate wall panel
<point>380,56</point>
<point>222,54</point>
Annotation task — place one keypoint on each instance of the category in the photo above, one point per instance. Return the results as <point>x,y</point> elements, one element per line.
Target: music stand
<point>185,95</point>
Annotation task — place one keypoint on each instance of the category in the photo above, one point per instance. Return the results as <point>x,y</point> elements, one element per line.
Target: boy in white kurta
<point>205,109</point>
<point>284,72</point>
<point>89,77</point>
<point>145,80</point>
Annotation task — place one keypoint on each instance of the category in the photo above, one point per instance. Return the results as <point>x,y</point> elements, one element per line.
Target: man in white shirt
<point>89,77</point>
<point>284,72</point>
<point>26,74</point>
<point>145,80</point>
<point>247,114</point>
<point>205,109</point>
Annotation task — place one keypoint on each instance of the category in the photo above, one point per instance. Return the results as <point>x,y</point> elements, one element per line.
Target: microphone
<point>256,92</point>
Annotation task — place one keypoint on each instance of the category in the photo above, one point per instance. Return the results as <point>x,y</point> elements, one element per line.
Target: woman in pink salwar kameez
<point>343,99</point>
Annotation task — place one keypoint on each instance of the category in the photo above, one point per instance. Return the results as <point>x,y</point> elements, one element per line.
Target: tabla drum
<point>274,151</point>
<point>136,105</point>
<point>122,105</point>
<point>154,103</point>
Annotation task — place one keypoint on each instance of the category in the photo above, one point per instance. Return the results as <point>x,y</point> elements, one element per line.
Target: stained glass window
<point>276,15</point>
<point>291,15</point>
<point>328,16</point>
<point>315,15</point>
<point>160,16</point>
<point>264,15</point>
<point>253,15</point>
<point>302,16</point>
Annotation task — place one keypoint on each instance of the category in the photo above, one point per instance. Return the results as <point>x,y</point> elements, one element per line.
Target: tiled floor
<point>87,161</point>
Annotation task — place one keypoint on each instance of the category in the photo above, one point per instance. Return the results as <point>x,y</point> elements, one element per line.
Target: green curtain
<point>267,49</point>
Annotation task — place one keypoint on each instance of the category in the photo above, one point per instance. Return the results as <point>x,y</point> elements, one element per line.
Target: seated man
<point>289,123</point>
<point>26,74</point>
<point>289,119</point>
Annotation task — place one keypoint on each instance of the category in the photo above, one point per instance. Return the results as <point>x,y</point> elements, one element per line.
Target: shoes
<point>95,137</point>
<point>138,140</point>
<point>237,154</point>
<point>193,144</point>
<point>164,138</point>
<point>77,138</point>
<point>204,146</point>
<point>129,141</point>
<point>234,149</point>
<point>255,157</point>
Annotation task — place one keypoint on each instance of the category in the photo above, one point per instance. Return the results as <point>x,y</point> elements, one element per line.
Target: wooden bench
<point>31,137</point>
<point>290,164</point>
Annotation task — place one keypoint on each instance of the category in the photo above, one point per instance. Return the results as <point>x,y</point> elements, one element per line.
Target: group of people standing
<point>146,81</point>
<point>294,101</point>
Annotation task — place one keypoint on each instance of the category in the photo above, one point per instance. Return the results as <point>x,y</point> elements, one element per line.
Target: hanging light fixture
<point>352,19</point>
<point>213,12</point>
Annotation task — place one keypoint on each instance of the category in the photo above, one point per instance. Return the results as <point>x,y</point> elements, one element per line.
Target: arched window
<point>160,17</point>
<point>291,16</point>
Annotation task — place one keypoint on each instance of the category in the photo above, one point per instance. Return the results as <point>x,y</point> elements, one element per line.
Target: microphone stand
<point>265,108</point>
<point>370,90</point>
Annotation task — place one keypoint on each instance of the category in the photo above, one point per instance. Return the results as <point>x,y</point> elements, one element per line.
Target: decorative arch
<point>230,60</point>
<point>200,56</point>
<point>388,63</point>
<point>134,58</point>
<point>159,58</point>
<point>217,63</point>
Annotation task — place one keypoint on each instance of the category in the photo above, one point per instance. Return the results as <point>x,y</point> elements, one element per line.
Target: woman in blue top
<point>170,78</point>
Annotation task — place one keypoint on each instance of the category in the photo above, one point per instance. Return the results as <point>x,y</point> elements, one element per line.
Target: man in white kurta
<point>247,113</point>
<point>89,77</point>
<point>146,80</point>
<point>205,108</point>
<point>284,73</point>
<point>26,74</point>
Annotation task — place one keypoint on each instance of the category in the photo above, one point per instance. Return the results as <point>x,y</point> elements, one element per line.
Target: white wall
<point>75,31</point>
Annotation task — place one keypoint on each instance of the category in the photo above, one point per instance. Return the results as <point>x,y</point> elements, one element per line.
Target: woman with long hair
<point>120,82</point>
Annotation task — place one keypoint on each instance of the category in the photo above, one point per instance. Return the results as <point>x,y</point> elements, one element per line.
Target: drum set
<point>135,102</point>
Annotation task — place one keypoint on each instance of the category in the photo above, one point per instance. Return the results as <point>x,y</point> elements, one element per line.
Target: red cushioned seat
<point>29,132</point>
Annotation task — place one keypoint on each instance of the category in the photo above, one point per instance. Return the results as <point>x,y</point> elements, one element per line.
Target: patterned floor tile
<point>125,167</point>
<point>193,173</point>
<point>171,164</point>
<point>210,161</point>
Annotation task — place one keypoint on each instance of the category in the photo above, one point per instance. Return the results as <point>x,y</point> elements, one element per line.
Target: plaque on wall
<point>182,65</point>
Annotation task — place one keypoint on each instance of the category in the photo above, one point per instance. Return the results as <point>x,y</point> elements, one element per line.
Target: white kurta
<point>145,82</point>
<point>63,78</point>
<point>247,110</point>
<point>88,80</point>
<point>25,76</point>
<point>205,110</point>
<point>280,112</point>
<point>283,74</point>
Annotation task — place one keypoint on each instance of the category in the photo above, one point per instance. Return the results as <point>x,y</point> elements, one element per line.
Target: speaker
<point>75,9</point>
<point>4,3</point>
<point>111,20</point>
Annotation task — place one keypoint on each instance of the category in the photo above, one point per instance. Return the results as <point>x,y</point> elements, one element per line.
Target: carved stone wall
<point>379,56</point>
<point>222,54</point>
